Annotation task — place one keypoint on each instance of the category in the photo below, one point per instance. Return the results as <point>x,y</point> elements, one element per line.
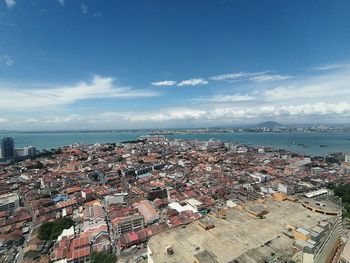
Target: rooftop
<point>346,251</point>
<point>323,206</point>
<point>8,198</point>
<point>240,235</point>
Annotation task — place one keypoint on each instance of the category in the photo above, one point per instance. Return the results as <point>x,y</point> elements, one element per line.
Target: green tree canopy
<point>343,191</point>
<point>51,230</point>
<point>103,257</point>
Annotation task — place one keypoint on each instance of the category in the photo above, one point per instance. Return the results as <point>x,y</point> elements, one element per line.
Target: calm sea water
<point>305,143</point>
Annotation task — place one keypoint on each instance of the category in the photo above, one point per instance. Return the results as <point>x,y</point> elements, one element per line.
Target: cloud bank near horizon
<point>323,96</point>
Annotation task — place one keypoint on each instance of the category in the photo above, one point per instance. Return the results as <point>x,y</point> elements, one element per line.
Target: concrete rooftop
<point>240,235</point>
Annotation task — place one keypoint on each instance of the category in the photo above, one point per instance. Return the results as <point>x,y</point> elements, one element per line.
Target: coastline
<point>307,143</point>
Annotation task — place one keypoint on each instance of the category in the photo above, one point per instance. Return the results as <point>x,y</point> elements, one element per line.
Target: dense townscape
<point>159,200</point>
<point>174,131</point>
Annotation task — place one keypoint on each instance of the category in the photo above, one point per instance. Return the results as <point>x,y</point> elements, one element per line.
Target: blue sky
<point>72,64</point>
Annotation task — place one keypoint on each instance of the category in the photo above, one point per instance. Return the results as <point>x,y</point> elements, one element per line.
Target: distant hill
<point>269,125</point>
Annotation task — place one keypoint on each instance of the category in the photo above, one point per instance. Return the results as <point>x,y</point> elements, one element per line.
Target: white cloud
<point>262,76</point>
<point>238,75</point>
<point>331,87</point>
<point>229,76</point>
<point>61,2</point>
<point>165,115</point>
<point>269,77</point>
<point>10,3</point>
<point>253,76</point>
<point>84,8</point>
<point>99,87</point>
<point>215,115</point>
<point>193,82</point>
<point>313,98</point>
<point>331,67</point>
<point>69,118</point>
<point>2,120</point>
<point>301,99</point>
<point>31,120</point>
<point>328,87</point>
<point>7,60</point>
<point>226,98</point>
<point>320,108</point>
<point>234,113</point>
<point>164,83</point>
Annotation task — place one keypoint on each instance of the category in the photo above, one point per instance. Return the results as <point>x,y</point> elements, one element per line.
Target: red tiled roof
<point>147,210</point>
<point>175,220</point>
<point>93,202</point>
<point>94,231</point>
<point>73,189</point>
<point>64,204</point>
<point>80,253</point>
<point>80,242</point>
<point>23,218</point>
<point>88,191</point>
<point>132,236</point>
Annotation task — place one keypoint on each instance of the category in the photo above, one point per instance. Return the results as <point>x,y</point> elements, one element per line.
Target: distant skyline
<point>89,64</point>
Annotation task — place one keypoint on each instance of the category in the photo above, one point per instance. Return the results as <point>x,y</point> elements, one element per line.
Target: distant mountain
<point>269,125</point>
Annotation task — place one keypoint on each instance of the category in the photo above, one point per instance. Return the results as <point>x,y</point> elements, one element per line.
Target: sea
<point>312,143</point>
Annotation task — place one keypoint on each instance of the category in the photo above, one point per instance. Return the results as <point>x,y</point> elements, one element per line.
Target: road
<point>20,254</point>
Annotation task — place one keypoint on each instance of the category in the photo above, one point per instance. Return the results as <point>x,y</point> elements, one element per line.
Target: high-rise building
<point>30,151</point>
<point>7,148</point>
<point>9,202</point>
<point>347,158</point>
<point>25,152</point>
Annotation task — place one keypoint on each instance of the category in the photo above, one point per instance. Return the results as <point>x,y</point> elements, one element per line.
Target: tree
<point>343,191</point>
<point>242,181</point>
<point>120,159</point>
<point>103,257</point>
<point>39,165</point>
<point>45,230</point>
<point>51,230</point>
<point>331,185</point>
